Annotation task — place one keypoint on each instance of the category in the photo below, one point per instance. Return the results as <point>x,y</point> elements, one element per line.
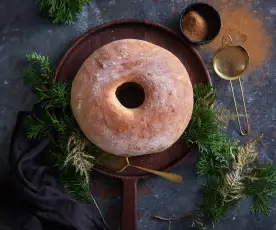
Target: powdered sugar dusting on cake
<point>152,127</point>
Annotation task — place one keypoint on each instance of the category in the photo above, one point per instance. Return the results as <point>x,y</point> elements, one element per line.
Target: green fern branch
<point>78,156</point>
<point>39,75</point>
<point>75,163</point>
<point>73,182</point>
<point>62,11</point>
<point>42,126</point>
<point>231,171</point>
<point>58,96</point>
<point>261,185</point>
<point>37,128</point>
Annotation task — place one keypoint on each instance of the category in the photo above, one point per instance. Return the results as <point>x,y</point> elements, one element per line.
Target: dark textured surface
<point>22,31</point>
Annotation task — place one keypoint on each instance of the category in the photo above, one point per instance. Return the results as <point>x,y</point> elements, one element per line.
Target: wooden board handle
<point>129,210</point>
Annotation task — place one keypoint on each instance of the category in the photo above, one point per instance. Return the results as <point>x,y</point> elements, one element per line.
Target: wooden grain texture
<point>158,35</point>
<point>129,207</point>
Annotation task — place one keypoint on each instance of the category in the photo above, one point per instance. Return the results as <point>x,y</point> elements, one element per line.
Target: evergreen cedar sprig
<point>74,183</point>
<point>232,172</point>
<point>61,11</point>
<point>40,76</point>
<point>261,185</point>
<point>69,148</point>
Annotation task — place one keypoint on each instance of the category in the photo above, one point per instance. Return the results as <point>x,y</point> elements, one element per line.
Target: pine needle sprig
<point>75,185</point>
<point>74,164</point>
<point>61,11</point>
<point>37,128</point>
<point>42,126</point>
<point>244,178</point>
<point>78,156</point>
<point>57,96</point>
<point>261,185</point>
<point>225,187</point>
<point>205,94</point>
<point>247,154</point>
<point>41,61</point>
<point>39,75</point>
<point>215,160</point>
<point>59,125</point>
<point>224,190</point>
<point>40,67</point>
<point>71,150</point>
<point>204,131</point>
<point>32,79</point>
<point>73,182</point>
<point>204,124</point>
<point>224,115</point>
<point>226,166</point>
<point>198,224</point>
<point>215,205</point>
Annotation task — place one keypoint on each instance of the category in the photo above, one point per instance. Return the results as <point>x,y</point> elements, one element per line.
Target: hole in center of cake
<point>131,95</point>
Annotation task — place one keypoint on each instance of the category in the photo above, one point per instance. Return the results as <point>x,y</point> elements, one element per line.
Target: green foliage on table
<point>73,154</point>
<point>261,185</point>
<point>231,171</point>
<point>62,11</point>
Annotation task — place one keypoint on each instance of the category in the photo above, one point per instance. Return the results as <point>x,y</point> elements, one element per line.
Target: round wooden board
<point>161,36</point>
<point>151,32</point>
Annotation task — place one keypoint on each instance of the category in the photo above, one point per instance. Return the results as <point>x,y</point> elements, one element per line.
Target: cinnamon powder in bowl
<point>200,23</point>
<point>195,26</point>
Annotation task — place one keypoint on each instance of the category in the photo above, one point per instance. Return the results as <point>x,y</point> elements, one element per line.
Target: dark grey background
<point>23,31</point>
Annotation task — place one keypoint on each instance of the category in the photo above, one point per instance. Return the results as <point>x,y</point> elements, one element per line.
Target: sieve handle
<point>129,209</point>
<point>226,40</point>
<point>244,133</point>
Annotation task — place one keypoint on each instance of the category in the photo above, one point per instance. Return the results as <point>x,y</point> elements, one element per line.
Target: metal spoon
<point>119,164</point>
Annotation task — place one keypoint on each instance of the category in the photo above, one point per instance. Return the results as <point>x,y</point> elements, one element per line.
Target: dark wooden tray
<point>161,36</point>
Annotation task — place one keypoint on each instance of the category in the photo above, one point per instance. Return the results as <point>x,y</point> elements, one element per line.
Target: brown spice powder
<point>146,190</point>
<point>242,24</point>
<point>195,26</point>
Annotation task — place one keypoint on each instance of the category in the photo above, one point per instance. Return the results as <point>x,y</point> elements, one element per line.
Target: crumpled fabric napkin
<point>34,191</point>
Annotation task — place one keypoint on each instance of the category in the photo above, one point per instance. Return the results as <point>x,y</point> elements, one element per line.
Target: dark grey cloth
<point>34,192</point>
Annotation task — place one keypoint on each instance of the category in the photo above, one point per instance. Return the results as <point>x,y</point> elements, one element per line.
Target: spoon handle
<point>168,176</point>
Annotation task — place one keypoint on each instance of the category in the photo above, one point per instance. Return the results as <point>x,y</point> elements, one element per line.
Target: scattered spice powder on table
<point>194,26</point>
<point>242,24</point>
<point>146,190</point>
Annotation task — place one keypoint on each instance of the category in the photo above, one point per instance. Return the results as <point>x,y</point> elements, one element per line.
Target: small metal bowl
<point>212,17</point>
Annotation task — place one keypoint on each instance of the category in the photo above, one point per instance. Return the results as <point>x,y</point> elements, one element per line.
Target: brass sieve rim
<point>224,76</point>
<point>238,77</point>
